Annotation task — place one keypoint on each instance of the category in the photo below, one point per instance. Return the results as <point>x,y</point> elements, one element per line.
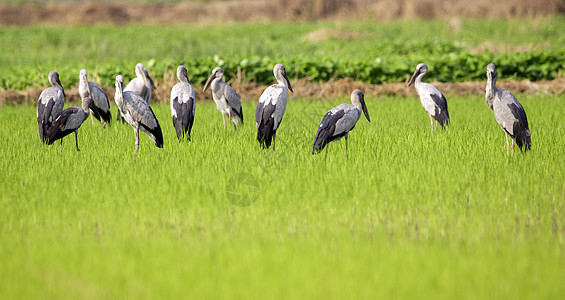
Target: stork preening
<point>68,121</point>
<point>227,100</point>
<point>100,106</point>
<point>183,105</point>
<point>508,112</point>
<point>138,114</point>
<point>271,108</point>
<point>431,98</point>
<point>50,105</point>
<point>339,121</point>
<point>141,85</point>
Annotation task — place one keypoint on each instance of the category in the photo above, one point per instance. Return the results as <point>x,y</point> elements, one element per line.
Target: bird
<point>68,121</point>
<point>140,85</point>
<point>508,112</point>
<point>183,105</point>
<point>138,114</point>
<point>50,105</point>
<point>227,100</point>
<point>271,108</point>
<point>100,104</point>
<point>431,98</point>
<point>339,121</point>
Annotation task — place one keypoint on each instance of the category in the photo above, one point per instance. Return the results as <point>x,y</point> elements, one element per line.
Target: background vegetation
<point>366,51</point>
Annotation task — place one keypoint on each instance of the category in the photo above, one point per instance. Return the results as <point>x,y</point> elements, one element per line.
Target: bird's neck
<point>119,98</point>
<point>418,80</point>
<point>491,91</point>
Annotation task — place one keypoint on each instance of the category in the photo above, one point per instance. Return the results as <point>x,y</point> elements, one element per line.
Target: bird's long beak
<point>365,111</point>
<point>59,82</point>
<point>413,78</point>
<point>210,78</point>
<point>149,78</point>
<point>288,81</point>
<point>87,85</point>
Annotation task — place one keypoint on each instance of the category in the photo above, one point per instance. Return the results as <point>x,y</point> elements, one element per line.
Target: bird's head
<point>119,83</point>
<point>491,72</point>
<point>55,81</point>
<point>182,73</point>
<point>358,99</point>
<point>216,73</point>
<point>420,69</point>
<point>280,75</point>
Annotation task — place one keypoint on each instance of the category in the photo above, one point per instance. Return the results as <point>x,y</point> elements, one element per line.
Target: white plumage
<point>431,98</point>
<point>226,99</point>
<point>50,105</point>
<point>339,121</point>
<point>183,105</point>
<point>508,112</point>
<point>138,114</point>
<point>271,107</point>
<point>100,104</point>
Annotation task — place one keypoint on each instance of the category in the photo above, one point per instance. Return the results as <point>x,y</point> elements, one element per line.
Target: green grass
<point>406,214</point>
<point>391,50</point>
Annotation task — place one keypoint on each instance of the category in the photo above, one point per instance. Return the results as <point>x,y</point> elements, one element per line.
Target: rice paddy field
<point>407,212</point>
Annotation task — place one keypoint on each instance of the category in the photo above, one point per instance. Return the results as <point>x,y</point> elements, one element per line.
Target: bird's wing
<point>139,110</point>
<point>68,119</point>
<point>327,127</point>
<point>509,111</point>
<point>99,97</point>
<point>273,101</point>
<point>348,119</point>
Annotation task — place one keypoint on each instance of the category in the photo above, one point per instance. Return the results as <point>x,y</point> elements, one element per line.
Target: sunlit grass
<point>406,213</point>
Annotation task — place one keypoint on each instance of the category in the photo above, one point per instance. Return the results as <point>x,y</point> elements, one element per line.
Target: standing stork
<point>183,105</point>
<point>227,100</point>
<point>141,85</point>
<point>50,105</point>
<point>271,108</point>
<point>138,114</point>
<point>508,112</point>
<point>100,108</point>
<point>339,121</point>
<point>431,98</point>
<point>68,121</point>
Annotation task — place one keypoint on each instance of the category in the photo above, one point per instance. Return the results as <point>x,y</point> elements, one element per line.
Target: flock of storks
<point>133,106</point>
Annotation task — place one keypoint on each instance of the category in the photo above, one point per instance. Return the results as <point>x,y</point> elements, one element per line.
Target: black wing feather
<point>443,116</point>
<point>57,129</point>
<point>326,131</point>
<point>265,124</point>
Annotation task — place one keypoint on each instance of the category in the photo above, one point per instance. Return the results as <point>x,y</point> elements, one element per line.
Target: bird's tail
<point>265,132</point>
<point>524,140</point>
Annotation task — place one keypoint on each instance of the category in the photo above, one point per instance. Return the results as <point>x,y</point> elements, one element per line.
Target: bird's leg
<point>136,131</point>
<point>507,144</point>
<point>274,139</point>
<point>76,139</point>
<point>61,146</point>
<point>224,118</point>
<point>512,147</point>
<point>431,122</point>
<point>326,158</point>
<point>92,118</point>
<point>346,144</point>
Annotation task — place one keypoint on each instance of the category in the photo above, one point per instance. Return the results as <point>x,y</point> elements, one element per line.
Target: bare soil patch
<point>73,13</point>
<point>303,88</point>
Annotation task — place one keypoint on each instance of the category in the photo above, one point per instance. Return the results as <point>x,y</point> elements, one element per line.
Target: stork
<point>50,105</point>
<point>68,121</point>
<point>100,105</point>
<point>431,98</point>
<point>339,121</point>
<point>138,114</point>
<point>508,112</point>
<point>227,100</point>
<point>183,105</point>
<point>271,108</point>
<point>141,85</point>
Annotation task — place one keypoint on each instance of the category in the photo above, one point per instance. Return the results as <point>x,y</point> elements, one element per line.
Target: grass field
<point>406,214</point>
